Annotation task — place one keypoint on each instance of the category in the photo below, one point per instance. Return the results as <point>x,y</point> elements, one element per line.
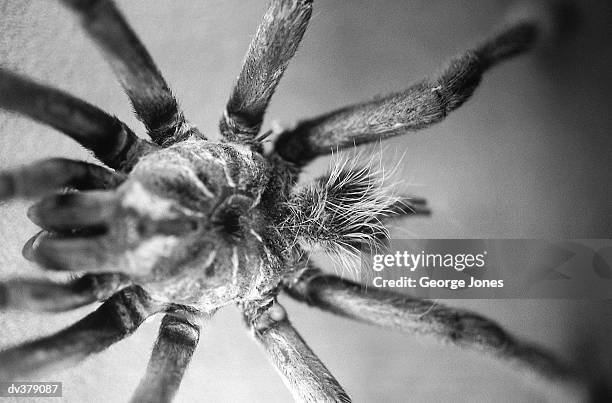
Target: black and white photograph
<point>310,201</point>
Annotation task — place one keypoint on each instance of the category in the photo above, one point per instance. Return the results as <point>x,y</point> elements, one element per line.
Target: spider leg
<point>55,174</point>
<point>419,106</point>
<point>151,97</point>
<point>428,318</point>
<point>408,206</point>
<point>111,141</point>
<point>114,320</point>
<point>54,252</point>
<point>302,371</point>
<point>274,44</point>
<point>175,344</point>
<point>69,211</point>
<point>47,296</point>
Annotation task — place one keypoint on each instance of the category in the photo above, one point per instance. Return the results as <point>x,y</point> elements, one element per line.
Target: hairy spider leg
<point>49,296</point>
<point>50,175</point>
<point>111,141</point>
<point>417,107</point>
<point>420,317</point>
<point>68,253</point>
<point>407,206</point>
<point>274,44</point>
<point>70,211</point>
<point>177,340</point>
<point>151,97</point>
<point>302,371</point>
<point>114,320</point>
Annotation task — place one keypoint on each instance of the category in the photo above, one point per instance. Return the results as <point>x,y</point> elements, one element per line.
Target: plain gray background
<point>527,157</point>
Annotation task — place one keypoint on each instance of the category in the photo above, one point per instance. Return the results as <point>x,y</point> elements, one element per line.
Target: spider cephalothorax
<point>185,225</point>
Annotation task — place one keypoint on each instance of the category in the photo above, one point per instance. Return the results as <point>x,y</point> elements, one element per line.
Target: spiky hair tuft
<point>344,210</point>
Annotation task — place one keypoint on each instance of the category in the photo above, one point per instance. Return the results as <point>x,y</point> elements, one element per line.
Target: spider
<point>183,225</point>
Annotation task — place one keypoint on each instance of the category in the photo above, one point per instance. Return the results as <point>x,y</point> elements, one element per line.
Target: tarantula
<point>183,225</point>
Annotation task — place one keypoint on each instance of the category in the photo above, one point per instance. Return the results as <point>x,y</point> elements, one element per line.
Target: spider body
<point>186,225</point>
<point>223,249</point>
<point>183,225</point>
